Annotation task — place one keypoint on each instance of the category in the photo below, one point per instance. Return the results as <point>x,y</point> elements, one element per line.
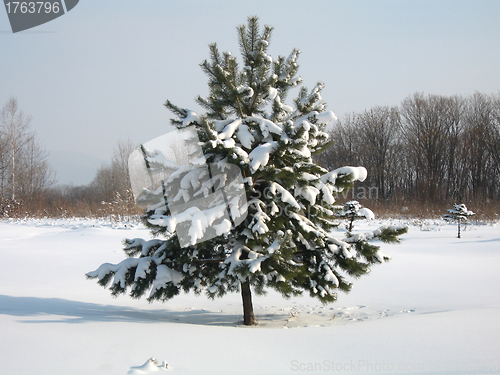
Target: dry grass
<point>484,211</point>
<point>113,211</point>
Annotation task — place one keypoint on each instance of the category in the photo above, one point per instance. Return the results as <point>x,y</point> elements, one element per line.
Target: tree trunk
<point>246,296</point>
<point>350,224</point>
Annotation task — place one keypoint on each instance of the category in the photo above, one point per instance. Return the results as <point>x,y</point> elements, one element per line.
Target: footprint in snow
<point>408,311</point>
<point>355,307</point>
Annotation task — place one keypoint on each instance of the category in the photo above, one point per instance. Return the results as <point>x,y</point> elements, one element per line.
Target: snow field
<point>432,309</point>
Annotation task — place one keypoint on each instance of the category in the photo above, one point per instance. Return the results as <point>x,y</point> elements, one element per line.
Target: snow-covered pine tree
<point>285,241</point>
<point>458,214</point>
<point>352,211</point>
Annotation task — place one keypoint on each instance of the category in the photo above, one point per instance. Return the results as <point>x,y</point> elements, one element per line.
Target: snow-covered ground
<point>435,308</point>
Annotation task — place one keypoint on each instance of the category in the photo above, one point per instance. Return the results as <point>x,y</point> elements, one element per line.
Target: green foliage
<point>286,241</point>
<point>392,234</point>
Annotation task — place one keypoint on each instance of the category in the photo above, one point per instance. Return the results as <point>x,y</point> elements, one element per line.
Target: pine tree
<point>280,235</point>
<point>458,214</point>
<point>352,211</point>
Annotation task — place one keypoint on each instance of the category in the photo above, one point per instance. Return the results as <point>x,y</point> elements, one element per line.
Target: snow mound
<point>151,366</point>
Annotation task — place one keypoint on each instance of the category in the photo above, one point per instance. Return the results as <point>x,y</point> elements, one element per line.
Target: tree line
<point>429,150</point>
<point>108,194</point>
<point>28,183</point>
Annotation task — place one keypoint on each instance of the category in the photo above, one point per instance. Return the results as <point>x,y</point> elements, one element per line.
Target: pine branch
<point>175,109</point>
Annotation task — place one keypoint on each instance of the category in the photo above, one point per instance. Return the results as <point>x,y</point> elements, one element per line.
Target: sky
<point>101,73</point>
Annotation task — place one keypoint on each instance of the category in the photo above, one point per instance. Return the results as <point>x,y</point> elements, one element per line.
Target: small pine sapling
<point>458,214</point>
<point>352,211</point>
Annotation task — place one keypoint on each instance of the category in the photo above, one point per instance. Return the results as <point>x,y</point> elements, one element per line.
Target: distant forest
<point>28,183</point>
<point>431,151</point>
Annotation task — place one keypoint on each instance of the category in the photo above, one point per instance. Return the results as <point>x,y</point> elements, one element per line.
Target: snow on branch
<point>357,174</point>
<point>119,271</point>
<point>259,157</point>
<point>459,212</point>
<point>286,197</point>
<point>325,117</point>
<point>259,218</point>
<point>165,275</point>
<point>230,129</point>
<point>240,131</point>
<point>386,233</point>
<point>191,117</point>
<point>144,246</point>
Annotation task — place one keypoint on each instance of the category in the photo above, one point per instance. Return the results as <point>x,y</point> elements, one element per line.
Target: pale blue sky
<point>103,71</point>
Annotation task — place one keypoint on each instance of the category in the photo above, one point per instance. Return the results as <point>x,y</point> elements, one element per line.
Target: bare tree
<point>425,130</point>
<point>103,184</point>
<point>4,165</point>
<point>452,117</point>
<point>14,127</point>
<point>493,137</point>
<point>114,178</point>
<point>378,132</point>
<point>478,115</point>
<point>344,148</point>
<point>37,176</point>
<point>119,167</point>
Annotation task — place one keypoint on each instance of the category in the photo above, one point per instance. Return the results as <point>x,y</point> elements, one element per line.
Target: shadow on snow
<point>66,311</point>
